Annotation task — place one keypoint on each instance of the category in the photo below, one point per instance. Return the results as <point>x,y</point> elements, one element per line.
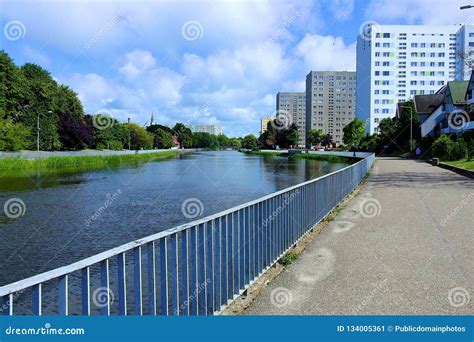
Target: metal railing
<point>194,269</point>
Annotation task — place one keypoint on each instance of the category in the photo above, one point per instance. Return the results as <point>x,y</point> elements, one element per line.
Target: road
<point>403,246</point>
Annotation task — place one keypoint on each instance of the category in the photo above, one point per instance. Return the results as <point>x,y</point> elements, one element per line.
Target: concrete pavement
<point>404,245</point>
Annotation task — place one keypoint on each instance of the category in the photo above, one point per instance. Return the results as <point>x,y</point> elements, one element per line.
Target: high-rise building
<point>397,62</point>
<point>330,101</point>
<point>293,104</point>
<point>211,129</point>
<point>264,124</point>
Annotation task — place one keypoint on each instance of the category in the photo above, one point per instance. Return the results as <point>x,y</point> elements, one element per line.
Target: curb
<point>458,170</point>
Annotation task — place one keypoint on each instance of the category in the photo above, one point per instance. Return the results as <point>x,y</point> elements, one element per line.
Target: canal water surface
<point>72,216</point>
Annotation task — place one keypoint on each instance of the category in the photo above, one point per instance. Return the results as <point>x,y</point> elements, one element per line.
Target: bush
<point>470,149</point>
<point>446,149</point>
<point>14,136</point>
<point>115,145</point>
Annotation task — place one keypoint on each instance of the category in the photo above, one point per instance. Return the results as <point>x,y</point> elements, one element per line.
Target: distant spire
<point>151,119</point>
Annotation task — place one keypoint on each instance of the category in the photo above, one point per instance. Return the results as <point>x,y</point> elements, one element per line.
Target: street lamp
<point>466,7</point>
<point>411,126</point>
<point>38,130</point>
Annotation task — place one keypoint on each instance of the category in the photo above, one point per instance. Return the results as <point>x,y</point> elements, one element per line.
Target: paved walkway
<point>404,245</point>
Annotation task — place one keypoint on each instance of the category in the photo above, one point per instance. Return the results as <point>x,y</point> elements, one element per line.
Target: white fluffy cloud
<point>434,12</point>
<point>132,59</point>
<point>326,53</point>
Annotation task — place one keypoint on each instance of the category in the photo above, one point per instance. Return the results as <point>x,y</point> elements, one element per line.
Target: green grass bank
<point>81,163</point>
<point>318,157</point>
<point>464,164</point>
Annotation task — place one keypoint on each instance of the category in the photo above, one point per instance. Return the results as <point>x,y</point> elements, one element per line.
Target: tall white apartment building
<point>396,62</point>
<point>211,129</point>
<point>294,103</point>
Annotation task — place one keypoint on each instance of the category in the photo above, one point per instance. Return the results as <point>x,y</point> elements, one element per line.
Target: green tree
<point>250,142</point>
<point>14,136</point>
<point>67,101</point>
<point>445,148</point>
<point>137,137</point>
<point>354,132</point>
<point>108,132</point>
<point>154,127</point>
<point>205,140</point>
<point>327,140</point>
<point>14,93</point>
<point>235,142</point>
<point>185,136</point>
<point>223,140</point>
<point>162,139</point>
<point>43,91</point>
<point>268,139</point>
<point>315,136</point>
<point>371,143</point>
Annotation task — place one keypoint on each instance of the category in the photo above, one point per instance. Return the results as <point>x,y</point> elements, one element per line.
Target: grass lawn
<point>465,164</point>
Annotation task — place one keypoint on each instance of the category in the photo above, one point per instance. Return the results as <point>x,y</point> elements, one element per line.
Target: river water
<point>69,217</point>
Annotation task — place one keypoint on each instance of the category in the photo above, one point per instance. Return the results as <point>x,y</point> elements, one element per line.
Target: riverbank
<point>81,162</point>
<point>311,156</point>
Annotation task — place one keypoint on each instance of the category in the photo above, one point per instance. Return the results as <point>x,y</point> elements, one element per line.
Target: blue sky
<point>198,62</point>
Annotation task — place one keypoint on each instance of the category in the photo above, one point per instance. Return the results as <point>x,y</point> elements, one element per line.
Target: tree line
<point>393,137</point>
<point>31,98</point>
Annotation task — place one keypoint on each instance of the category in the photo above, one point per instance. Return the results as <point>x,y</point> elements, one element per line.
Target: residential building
<point>264,124</point>
<point>211,129</point>
<point>293,104</point>
<point>425,105</point>
<point>452,115</point>
<point>397,62</point>
<point>330,101</point>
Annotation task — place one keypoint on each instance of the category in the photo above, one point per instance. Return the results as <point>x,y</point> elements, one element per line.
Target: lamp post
<point>411,126</point>
<point>38,130</point>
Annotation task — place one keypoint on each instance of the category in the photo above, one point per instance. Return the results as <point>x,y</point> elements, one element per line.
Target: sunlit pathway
<point>404,245</point>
